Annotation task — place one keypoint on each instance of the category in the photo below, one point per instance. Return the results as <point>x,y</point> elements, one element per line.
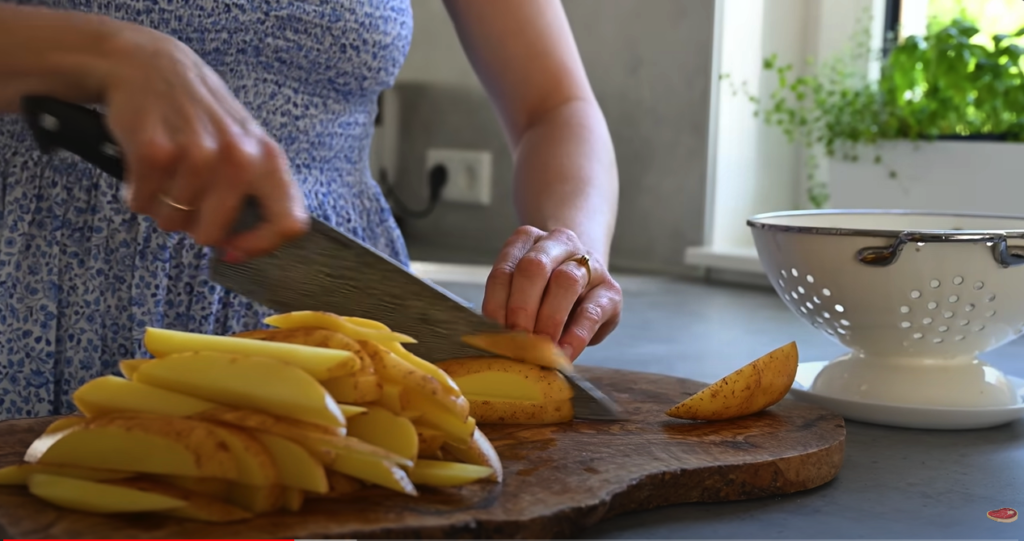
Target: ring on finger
<point>583,260</point>
<point>178,206</point>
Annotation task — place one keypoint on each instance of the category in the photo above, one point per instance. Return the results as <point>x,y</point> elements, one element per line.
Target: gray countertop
<point>895,483</point>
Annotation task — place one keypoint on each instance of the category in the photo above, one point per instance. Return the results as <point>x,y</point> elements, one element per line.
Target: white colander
<point>915,296</point>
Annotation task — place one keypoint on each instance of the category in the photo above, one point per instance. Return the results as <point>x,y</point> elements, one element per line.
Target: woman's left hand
<point>549,283</point>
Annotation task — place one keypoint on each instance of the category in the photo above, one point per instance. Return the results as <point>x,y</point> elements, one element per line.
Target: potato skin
<point>551,385</point>
<point>508,412</point>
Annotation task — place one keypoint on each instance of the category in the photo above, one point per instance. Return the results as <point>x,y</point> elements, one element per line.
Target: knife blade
<point>323,270</point>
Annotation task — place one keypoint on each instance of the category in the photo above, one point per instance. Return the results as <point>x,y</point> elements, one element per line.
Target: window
<point>918,17</point>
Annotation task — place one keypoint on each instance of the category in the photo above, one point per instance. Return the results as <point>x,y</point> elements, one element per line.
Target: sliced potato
<point>96,497</point>
<point>350,410</point>
<point>296,467</point>
<point>18,474</point>
<point>199,507</point>
<point>479,452</point>
<point>129,367</point>
<point>355,389</point>
<point>507,379</point>
<point>257,500</point>
<point>394,370</point>
<point>110,394</point>
<point>252,383</point>
<point>312,336</point>
<point>424,366</point>
<point>214,488</point>
<point>256,465</point>
<point>376,472</point>
<point>491,411</point>
<point>386,430</point>
<point>434,416</point>
<point>320,363</point>
<point>65,422</point>
<point>438,473</point>
<point>430,441</point>
<point>354,328</point>
<point>754,387</point>
<point>137,443</point>
<point>293,500</point>
<point>522,346</point>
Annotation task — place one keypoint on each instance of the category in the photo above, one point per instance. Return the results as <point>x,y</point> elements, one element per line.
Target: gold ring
<point>584,261</point>
<point>178,206</point>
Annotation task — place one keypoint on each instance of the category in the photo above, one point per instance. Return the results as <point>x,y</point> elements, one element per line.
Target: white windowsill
<point>728,259</point>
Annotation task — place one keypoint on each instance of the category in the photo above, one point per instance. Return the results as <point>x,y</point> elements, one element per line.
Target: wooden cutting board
<point>559,479</point>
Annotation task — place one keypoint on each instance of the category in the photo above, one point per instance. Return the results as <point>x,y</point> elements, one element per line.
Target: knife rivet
<point>49,122</point>
<point>110,150</point>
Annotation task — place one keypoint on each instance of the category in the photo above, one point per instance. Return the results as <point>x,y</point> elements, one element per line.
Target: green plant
<point>935,86</point>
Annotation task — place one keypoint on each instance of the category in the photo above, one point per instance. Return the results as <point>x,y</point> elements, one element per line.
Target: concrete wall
<point>650,63</point>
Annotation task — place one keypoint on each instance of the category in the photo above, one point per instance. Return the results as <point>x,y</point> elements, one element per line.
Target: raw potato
<point>438,473</point>
<point>479,452</point>
<point>430,442</point>
<point>18,474</point>
<point>110,394</point>
<point>253,383</point>
<point>521,346</point>
<point>753,388</point>
<point>256,500</point>
<point>198,506</point>
<point>375,471</point>
<point>256,466</point>
<point>422,365</point>
<point>214,488</point>
<point>296,467</point>
<point>64,423</point>
<point>293,499</point>
<point>514,412</point>
<point>456,430</point>
<point>341,485</point>
<point>504,379</point>
<point>129,367</point>
<point>386,430</point>
<point>320,363</point>
<point>94,497</point>
<point>392,369</point>
<point>354,328</point>
<point>139,444</point>
<point>355,389</point>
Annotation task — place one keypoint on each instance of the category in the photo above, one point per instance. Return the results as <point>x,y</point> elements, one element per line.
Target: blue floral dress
<point>81,277</point>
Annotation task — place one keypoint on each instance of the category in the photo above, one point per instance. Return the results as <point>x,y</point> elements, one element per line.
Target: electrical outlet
<point>469,174</point>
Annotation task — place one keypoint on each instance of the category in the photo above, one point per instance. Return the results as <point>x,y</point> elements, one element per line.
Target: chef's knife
<point>324,270</point>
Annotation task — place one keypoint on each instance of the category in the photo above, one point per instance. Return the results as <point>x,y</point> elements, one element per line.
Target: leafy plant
<point>935,86</point>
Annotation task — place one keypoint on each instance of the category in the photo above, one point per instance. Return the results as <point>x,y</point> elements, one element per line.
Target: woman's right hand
<point>188,142</point>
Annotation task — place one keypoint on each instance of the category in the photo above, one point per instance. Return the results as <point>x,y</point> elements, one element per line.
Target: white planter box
<point>967,176</point>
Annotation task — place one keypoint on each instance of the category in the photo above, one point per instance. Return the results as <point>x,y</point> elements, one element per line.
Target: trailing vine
<point>937,86</point>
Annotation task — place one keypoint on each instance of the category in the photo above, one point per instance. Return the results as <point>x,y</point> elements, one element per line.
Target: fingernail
<point>567,350</point>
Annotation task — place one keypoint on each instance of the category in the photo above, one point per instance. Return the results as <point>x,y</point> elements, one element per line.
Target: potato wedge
<point>141,444</point>
<point>252,383</point>
<point>18,474</point>
<point>430,441</point>
<point>214,488</point>
<point>110,394</point>
<point>479,452</point>
<point>386,430</point>
<point>426,367</point>
<point>129,367</point>
<point>320,363</point>
<point>439,473</point>
<point>256,465</point>
<point>456,429</point>
<point>64,423</point>
<point>96,497</point>
<point>312,336</point>
<point>355,389</point>
<point>199,507</point>
<point>256,500</point>
<point>296,467</point>
<point>293,500</point>
<point>392,369</point>
<point>488,411</point>
<point>505,379</point>
<point>521,346</point>
<point>376,472</point>
<point>355,328</point>
<point>351,410</point>
<point>754,387</point>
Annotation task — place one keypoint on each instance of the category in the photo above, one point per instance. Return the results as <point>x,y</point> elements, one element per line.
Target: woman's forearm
<point>63,54</point>
<point>566,175</point>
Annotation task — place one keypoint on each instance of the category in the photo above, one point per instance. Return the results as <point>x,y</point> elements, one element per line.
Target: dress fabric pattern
<point>81,277</point>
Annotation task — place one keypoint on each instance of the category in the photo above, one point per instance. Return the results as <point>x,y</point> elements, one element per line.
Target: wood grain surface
<point>559,479</point>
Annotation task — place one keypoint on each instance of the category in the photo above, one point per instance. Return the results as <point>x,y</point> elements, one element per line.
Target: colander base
<point>906,416</point>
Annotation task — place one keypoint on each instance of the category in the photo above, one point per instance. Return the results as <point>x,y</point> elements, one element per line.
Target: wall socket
<point>469,174</point>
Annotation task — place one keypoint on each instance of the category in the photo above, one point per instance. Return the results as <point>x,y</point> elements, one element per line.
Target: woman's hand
<point>540,284</point>
<point>192,151</point>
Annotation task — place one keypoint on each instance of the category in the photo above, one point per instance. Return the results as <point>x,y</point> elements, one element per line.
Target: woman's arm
<point>565,171</point>
<point>63,54</point>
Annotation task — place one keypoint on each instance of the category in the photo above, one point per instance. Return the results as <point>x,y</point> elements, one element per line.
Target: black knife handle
<point>59,125</point>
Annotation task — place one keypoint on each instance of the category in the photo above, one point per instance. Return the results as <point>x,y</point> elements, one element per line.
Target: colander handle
<point>1005,255</point>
